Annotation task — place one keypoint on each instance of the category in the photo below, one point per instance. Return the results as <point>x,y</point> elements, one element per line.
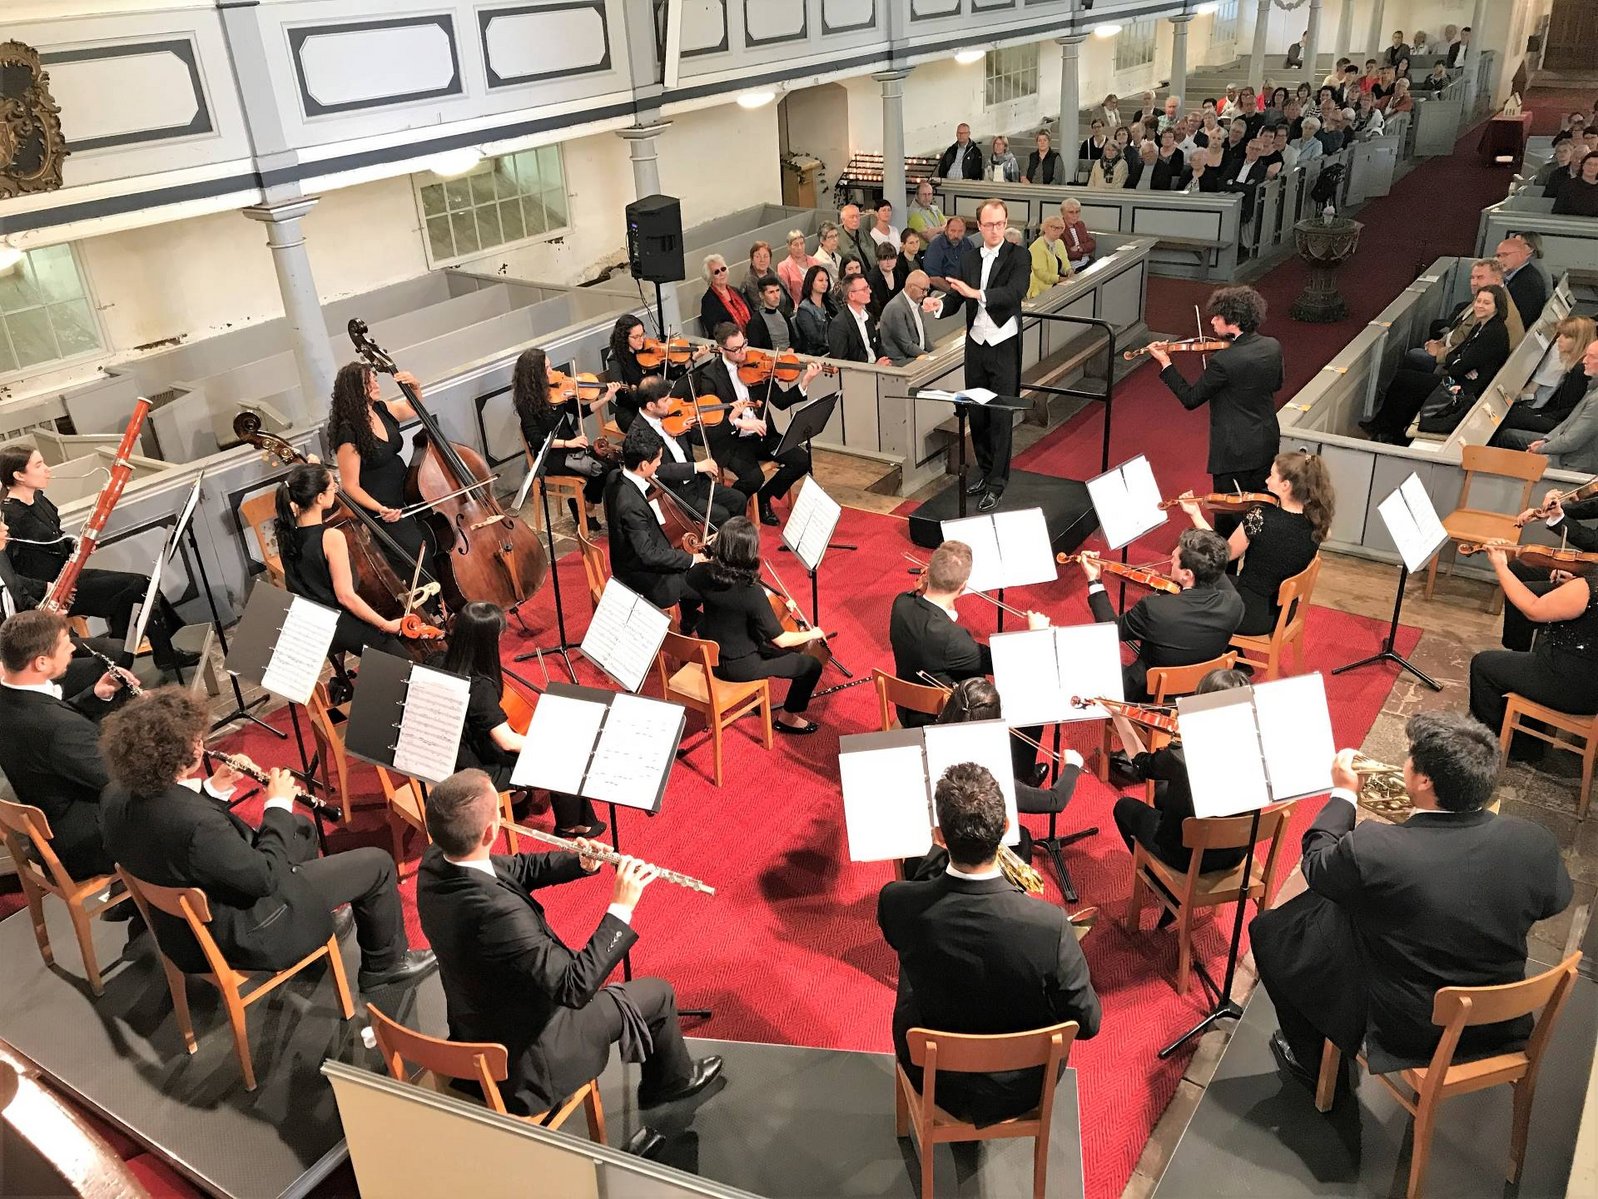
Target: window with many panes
<point>1225,27</point>
<point>1010,74</point>
<point>45,314</point>
<point>505,200</point>
<point>1134,45</point>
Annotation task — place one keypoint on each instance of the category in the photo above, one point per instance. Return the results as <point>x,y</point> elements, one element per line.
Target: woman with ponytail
<point>1280,540</point>
<point>316,561</point>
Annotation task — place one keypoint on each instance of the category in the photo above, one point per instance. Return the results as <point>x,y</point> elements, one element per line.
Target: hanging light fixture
<point>756,99</point>
<point>451,164</point>
<point>1106,31</point>
<point>1209,9</point>
<point>966,57</point>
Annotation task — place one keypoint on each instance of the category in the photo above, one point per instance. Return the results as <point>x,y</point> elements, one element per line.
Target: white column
<point>1478,40</point>
<point>1256,60</point>
<point>893,184</point>
<point>302,306</point>
<point>644,146</point>
<point>1070,95</point>
<point>1380,34</point>
<point>1345,28</point>
<point>1179,56</point>
<point>1312,44</point>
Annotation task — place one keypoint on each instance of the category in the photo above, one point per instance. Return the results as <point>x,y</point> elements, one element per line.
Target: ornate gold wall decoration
<point>31,146</point>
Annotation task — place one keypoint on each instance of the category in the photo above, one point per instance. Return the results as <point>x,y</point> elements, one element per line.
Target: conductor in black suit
<point>979,956</point>
<point>271,897</point>
<point>1394,912</point>
<point>509,979</point>
<point>640,554</point>
<point>991,283</point>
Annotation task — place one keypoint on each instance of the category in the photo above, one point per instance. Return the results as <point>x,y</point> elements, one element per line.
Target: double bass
<point>485,554</point>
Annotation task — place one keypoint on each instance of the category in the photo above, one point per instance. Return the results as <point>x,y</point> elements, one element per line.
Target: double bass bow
<point>485,554</point>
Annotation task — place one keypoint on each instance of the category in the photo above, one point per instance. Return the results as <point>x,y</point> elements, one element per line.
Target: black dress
<point>1560,670</point>
<point>383,474</point>
<point>1471,364</point>
<point>536,428</point>
<point>739,619</point>
<point>626,371</point>
<point>1280,545</point>
<point>38,550</point>
<point>306,572</point>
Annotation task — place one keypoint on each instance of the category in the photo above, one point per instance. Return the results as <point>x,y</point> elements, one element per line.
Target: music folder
<point>1008,549</point>
<point>1250,747</point>
<point>625,634</point>
<point>406,716</point>
<point>811,522</point>
<point>607,746</point>
<point>1039,671</point>
<point>281,642</point>
<point>1127,501</point>
<point>1412,523</point>
<point>889,781</point>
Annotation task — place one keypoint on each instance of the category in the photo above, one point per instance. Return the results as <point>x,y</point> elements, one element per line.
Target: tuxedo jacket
<point>640,555</point>
<point>1173,630</point>
<point>509,979</point>
<point>1007,284</point>
<point>50,754</point>
<point>983,957</point>
<point>264,915</point>
<point>1240,386</point>
<point>843,338</point>
<point>924,638</point>
<point>1401,910</point>
<point>1581,536</point>
<point>716,379</point>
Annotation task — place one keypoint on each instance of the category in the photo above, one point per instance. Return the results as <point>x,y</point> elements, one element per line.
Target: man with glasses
<point>989,284</point>
<point>904,334</point>
<point>852,336</point>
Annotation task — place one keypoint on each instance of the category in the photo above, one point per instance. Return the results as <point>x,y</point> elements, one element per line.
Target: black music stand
<point>241,710</point>
<point>561,648</point>
<point>804,423</point>
<point>962,405</point>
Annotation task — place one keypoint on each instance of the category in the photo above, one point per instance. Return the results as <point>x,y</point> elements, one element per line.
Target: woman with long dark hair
<point>814,314</point>
<point>364,432</point>
<point>738,617</point>
<point>543,417</point>
<point>627,337</point>
<point>488,742</point>
<point>316,561</point>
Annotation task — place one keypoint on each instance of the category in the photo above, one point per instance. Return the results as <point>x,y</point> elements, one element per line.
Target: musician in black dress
<point>1276,541</point>
<point>488,741</point>
<point>541,414</point>
<point>1570,522</point>
<point>316,561</point>
<point>738,617</point>
<point>364,432</point>
<point>38,549</point>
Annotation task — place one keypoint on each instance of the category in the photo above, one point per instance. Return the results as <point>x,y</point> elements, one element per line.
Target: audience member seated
<point>1205,175</point>
<point>760,267</point>
<point>925,217</point>
<point>911,247</point>
<point>814,314</point>
<point>1147,115</point>
<point>853,241</point>
<point>963,159</point>
<point>1295,52</point>
<point>1368,121</point>
<point>1002,165</point>
<point>1401,100</point>
<point>1145,172</point>
<point>1110,110</point>
<point>1043,165</point>
<point>1560,168</point>
<point>1384,87</point>
<point>793,268</point>
<point>1308,147</point>
<point>1575,126</point>
<point>1448,334</point>
<point>1438,81</point>
<point>1050,266</point>
<point>1554,390</point>
<point>942,259</point>
<point>1397,51</point>
<point>1579,196</point>
<point>887,277</point>
<point>1080,244</point>
<point>1092,148</point>
<point>769,328</point>
<point>721,303</point>
<point>883,231</point>
<point>1109,171</point>
<point>828,252</point>
<point>852,335</point>
<point>1524,279</point>
<point>902,330</point>
<point>1573,445</point>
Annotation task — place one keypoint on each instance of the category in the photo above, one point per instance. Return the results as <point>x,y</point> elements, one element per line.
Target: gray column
<point>1256,59</point>
<point>644,146</point>
<point>893,184</point>
<point>301,304</point>
<point>1179,56</point>
<point>1312,43</point>
<point>1345,28</point>
<point>1070,95</point>
<point>1380,34</point>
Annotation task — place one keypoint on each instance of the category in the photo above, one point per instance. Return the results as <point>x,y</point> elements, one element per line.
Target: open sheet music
<point>1412,523</point>
<point>406,716</point>
<point>889,781</point>
<point>811,522</point>
<point>1127,501</point>
<point>625,634</point>
<point>974,395</point>
<point>1008,549</point>
<point>1253,746</point>
<point>608,747</point>
<point>281,642</point>
<point>1039,671</point>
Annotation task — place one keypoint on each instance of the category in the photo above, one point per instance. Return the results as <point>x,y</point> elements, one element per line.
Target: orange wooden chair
<point>1465,523</point>
<point>1584,730</point>
<point>329,738</point>
<point>1293,598</point>
<point>1165,683</point>
<point>687,668</point>
<point>259,512</point>
<point>894,692</point>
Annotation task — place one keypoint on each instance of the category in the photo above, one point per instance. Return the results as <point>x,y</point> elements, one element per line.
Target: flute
<point>239,764</point>
<point>603,853</point>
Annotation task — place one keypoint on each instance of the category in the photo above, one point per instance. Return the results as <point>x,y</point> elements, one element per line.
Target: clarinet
<point>124,676</point>
<point>242,765</point>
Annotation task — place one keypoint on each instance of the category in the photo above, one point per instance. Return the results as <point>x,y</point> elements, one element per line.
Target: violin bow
<point>1198,323</point>
<point>704,441</point>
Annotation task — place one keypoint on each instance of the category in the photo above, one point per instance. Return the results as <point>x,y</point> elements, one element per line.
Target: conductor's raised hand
<point>584,848</point>
<point>632,876</point>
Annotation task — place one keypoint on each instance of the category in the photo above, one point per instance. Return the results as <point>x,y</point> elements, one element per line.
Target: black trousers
<point>113,594</point>
<point>669,1064</point>
<point>365,879</point>
<point>728,501</point>
<point>804,670</point>
<point>593,485</point>
<point>1251,479</point>
<point>1405,396</point>
<point>746,455</point>
<point>998,368</point>
<point>1303,1038</point>
<point>1518,631</point>
<point>1564,682</point>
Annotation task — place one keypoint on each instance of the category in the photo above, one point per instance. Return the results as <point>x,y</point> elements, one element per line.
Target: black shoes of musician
<point>1121,773</point>
<point>706,1071</point>
<point>343,921</point>
<point>768,517</point>
<point>795,730</point>
<point>977,487</point>
<point>1039,774</point>
<point>178,659</point>
<point>416,964</point>
<point>1288,1061</point>
<point>646,1142</point>
<point>596,829</point>
<point>988,502</point>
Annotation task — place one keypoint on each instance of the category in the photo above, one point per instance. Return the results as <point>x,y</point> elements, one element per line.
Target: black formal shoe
<point>767,516</point>
<point>343,921</point>
<point>596,829</point>
<point>178,659</point>
<point>1121,772</point>
<point>978,487</point>
<point>706,1071</point>
<point>646,1142</point>
<point>415,964</point>
<point>1283,1053</point>
<point>796,730</point>
<point>988,502</point>
<point>1039,775</point>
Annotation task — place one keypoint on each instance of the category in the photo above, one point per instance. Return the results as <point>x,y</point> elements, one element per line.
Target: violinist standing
<point>1240,386</point>
<point>641,556</point>
<point>687,478</point>
<point>1563,521</point>
<point>542,414</point>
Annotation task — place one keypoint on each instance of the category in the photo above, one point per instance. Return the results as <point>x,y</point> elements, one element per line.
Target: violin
<point>1143,576</point>
<point>484,553</point>
<point>760,366</point>
<point>675,351</point>
<point>1223,501</point>
<point>685,412</point>
<point>1574,496</point>
<point>1191,344</point>
<point>1539,557</point>
<point>1158,718</point>
<point>585,387</point>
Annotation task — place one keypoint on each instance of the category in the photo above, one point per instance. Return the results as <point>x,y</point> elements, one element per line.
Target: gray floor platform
<point>1257,1133</point>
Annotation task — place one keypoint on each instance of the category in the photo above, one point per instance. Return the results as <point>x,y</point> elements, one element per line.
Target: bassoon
<point>59,598</point>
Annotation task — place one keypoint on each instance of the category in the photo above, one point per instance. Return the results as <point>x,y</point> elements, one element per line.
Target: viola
<point>484,553</point>
<point>785,367</point>
<point>1574,496</point>
<point>1223,501</point>
<point>1189,344</point>
<point>686,412</point>
<point>675,351</point>
<point>1540,557</point>
<point>1143,576</point>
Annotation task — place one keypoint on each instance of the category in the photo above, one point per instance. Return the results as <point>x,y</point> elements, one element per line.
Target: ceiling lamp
<point>453,163</point>
<point>756,99</point>
<point>1210,9</point>
<point>1106,30</point>
<point>966,57</point>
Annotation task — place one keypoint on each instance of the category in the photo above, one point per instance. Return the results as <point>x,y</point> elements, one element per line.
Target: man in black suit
<point>1456,49</point>
<point>48,750</point>
<point>979,956</point>
<point>271,897</point>
<point>852,335</point>
<point>963,158</point>
<point>990,285</point>
<point>1394,912</point>
<point>1192,626</point>
<point>1525,283</point>
<point>746,438</point>
<point>687,478</point>
<point>509,979</point>
<point>640,554</point>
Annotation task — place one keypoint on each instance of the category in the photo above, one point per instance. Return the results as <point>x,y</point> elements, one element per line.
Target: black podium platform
<point>1065,503</point>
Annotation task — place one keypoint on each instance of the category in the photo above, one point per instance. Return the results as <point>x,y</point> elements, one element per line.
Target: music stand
<point>625,635</point>
<point>407,718</point>
<point>978,397</point>
<point>540,470</point>
<point>804,423</point>
<point>1126,499</point>
<point>1008,549</point>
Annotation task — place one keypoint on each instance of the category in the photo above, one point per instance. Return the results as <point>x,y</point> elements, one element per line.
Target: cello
<point>484,554</point>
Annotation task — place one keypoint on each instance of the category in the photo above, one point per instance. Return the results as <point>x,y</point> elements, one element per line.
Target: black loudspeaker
<point>654,239</point>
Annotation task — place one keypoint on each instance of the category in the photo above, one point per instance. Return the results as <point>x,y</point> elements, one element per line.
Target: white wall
<point>818,125</point>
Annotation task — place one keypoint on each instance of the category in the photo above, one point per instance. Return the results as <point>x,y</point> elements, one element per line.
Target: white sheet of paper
<point>1412,523</point>
<point>430,731</point>
<point>184,517</point>
<point>932,393</point>
<point>625,634</point>
<point>560,740</point>
<point>987,568</point>
<point>1127,501</point>
<point>141,618</point>
<point>811,523</point>
<point>1026,672</point>
<point>1024,548</point>
<point>301,650</point>
<point>886,811</point>
<point>1090,666</point>
<point>1425,514</point>
<point>635,750</point>
<point>1296,732</point>
<point>1220,742</point>
<point>985,742</point>
<point>978,395</point>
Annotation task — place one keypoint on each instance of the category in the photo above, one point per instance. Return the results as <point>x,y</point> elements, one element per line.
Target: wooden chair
<point>1165,683</point>
<point>1456,1009</point>
<point>918,1116</point>
<point>329,738</point>
<point>259,512</point>
<point>893,692</point>
<point>1182,893</point>
<point>483,1062</point>
<point>41,874</point>
<point>190,905</point>
<point>1583,728</point>
<point>1465,523</point>
<point>1293,598</point>
<point>596,569</point>
<point>687,668</point>
<point>407,808</point>
<point>560,488</point>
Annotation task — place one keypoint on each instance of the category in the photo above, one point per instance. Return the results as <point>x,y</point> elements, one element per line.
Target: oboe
<point>603,853</point>
<point>242,765</point>
<point>121,674</point>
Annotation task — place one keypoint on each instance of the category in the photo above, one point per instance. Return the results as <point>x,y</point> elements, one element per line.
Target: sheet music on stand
<point>1127,501</point>
<point>609,747</point>
<point>140,621</point>
<point>407,716</point>
<point>281,642</point>
<point>889,781</point>
<point>533,471</point>
<point>1250,747</point>
<point>1039,671</point>
<point>624,635</point>
<point>1412,523</point>
<point>1008,549</point>
<point>811,523</point>
<point>971,395</point>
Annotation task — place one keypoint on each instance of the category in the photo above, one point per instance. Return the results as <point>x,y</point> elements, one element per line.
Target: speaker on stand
<point>654,246</point>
